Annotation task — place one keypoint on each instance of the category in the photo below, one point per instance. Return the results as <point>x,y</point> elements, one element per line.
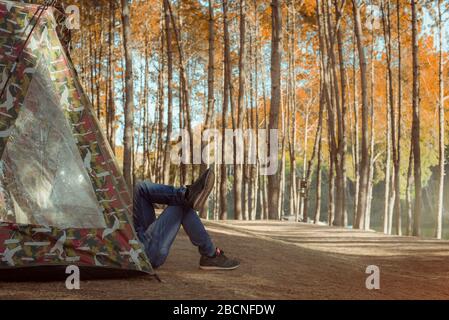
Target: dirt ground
<point>280,260</point>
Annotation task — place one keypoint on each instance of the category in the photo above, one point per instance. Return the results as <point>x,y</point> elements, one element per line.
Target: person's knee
<point>158,259</point>
<point>174,213</point>
<point>139,188</point>
<point>163,253</point>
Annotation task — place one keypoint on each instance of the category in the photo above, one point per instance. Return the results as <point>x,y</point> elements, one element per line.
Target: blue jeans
<point>157,235</point>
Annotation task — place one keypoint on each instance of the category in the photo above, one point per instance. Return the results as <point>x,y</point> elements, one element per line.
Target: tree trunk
<point>184,86</point>
<point>387,217</point>
<point>253,123</point>
<point>226,98</point>
<point>210,87</point>
<point>416,123</point>
<point>331,203</point>
<point>111,81</point>
<point>364,165</point>
<point>146,143</point>
<point>333,107</point>
<point>395,196</point>
<point>324,44</point>
<point>439,215</point>
<point>371,137</point>
<point>168,39</point>
<point>129,103</point>
<point>356,137</point>
<point>291,108</point>
<point>397,203</point>
<point>276,40</point>
<point>159,158</point>
<point>256,177</point>
<point>341,118</point>
<point>98,76</point>
<point>281,202</point>
<point>316,151</point>
<point>318,183</point>
<point>242,62</point>
<point>305,168</point>
<point>409,193</point>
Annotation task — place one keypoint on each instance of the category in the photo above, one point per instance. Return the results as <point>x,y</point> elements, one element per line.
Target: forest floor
<point>279,260</point>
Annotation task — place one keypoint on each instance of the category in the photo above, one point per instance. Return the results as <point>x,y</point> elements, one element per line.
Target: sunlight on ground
<point>335,240</point>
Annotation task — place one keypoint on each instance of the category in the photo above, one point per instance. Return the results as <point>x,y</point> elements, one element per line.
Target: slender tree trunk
<point>246,192</point>
<point>92,55</point>
<point>282,173</point>
<point>387,217</point>
<point>333,113</point>
<point>356,137</point>
<point>211,68</point>
<point>416,122</point>
<point>341,118</point>
<point>240,108</point>
<point>371,137</point>
<point>408,199</point>
<point>305,168</point>
<point>145,109</point>
<point>184,87</point>
<point>316,150</point>
<point>317,213</point>
<point>168,39</point>
<point>108,76</point>
<point>252,119</point>
<point>291,103</point>
<point>226,98</point>
<point>182,125</point>
<point>318,183</point>
<point>275,107</point>
<point>111,81</point>
<point>397,203</point>
<point>395,196</point>
<point>140,126</point>
<point>364,169</point>
<point>266,116</point>
<point>257,178</point>
<point>439,215</point>
<point>210,87</point>
<point>129,103</point>
<point>321,22</point>
<point>159,159</point>
<point>98,74</point>
<point>331,203</point>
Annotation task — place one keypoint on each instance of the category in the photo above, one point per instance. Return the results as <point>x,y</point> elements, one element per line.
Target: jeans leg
<point>161,234</point>
<point>161,194</point>
<point>198,235</point>
<point>143,212</point>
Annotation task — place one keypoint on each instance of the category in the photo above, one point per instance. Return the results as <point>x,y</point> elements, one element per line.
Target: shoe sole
<point>218,268</point>
<point>199,202</point>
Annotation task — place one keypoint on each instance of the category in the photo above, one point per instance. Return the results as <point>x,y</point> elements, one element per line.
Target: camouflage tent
<point>63,200</point>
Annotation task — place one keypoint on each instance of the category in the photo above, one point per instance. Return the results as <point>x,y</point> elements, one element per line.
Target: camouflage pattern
<point>116,246</point>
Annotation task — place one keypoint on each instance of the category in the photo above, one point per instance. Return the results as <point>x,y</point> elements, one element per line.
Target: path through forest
<point>280,260</point>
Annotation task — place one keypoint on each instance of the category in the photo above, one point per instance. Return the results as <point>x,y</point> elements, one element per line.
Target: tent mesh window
<point>43,180</point>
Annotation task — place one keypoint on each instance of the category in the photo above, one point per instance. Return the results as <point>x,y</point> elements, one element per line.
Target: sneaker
<point>198,192</point>
<point>218,262</point>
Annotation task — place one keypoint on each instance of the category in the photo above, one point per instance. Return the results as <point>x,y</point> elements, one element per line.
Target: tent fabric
<point>63,200</point>
<point>59,14</point>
